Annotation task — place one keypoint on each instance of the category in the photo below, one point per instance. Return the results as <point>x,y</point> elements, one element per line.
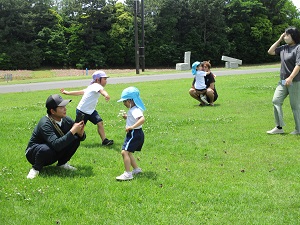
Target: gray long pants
<point>280,94</point>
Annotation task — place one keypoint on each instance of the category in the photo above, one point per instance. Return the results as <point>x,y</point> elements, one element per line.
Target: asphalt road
<point>118,80</point>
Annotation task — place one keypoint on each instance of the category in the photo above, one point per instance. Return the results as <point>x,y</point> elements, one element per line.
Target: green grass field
<point>202,165</point>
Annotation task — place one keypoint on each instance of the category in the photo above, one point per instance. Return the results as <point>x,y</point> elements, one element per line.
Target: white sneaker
<point>66,166</point>
<point>125,176</point>
<point>275,130</point>
<point>203,98</point>
<point>136,171</point>
<point>32,173</point>
<point>295,132</point>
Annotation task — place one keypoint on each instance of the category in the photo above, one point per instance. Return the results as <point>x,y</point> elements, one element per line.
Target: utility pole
<point>142,48</point>
<point>136,36</point>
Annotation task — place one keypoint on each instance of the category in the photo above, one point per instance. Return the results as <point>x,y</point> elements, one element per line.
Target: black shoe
<point>107,142</point>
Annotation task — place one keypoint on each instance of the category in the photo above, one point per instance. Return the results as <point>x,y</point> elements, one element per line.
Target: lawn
<point>202,165</point>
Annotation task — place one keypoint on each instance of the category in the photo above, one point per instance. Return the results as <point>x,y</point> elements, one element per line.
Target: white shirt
<point>133,115</point>
<point>200,80</point>
<point>90,98</point>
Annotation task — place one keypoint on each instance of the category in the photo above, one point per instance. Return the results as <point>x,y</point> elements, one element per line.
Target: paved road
<point>118,80</point>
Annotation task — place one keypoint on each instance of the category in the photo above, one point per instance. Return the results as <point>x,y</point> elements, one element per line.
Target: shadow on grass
<point>147,175</point>
<point>115,147</point>
<point>82,171</point>
<point>205,106</point>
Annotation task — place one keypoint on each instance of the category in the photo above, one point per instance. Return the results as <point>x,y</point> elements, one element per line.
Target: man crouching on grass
<point>55,138</point>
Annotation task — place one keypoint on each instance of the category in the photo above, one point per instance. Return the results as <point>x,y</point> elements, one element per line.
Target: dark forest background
<point>100,34</point>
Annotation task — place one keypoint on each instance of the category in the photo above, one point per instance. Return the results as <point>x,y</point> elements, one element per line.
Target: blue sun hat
<point>195,64</point>
<point>134,94</point>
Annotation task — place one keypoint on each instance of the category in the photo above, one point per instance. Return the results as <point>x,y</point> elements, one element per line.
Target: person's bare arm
<point>138,123</point>
<point>289,80</point>
<point>271,50</point>
<point>63,91</point>
<point>105,94</point>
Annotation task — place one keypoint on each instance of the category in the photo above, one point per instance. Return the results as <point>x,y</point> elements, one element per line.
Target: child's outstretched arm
<point>105,94</point>
<point>140,121</point>
<point>63,91</point>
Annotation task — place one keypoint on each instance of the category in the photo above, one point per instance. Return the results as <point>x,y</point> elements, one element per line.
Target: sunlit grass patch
<point>201,165</point>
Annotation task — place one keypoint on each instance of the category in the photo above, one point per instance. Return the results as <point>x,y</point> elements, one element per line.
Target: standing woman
<point>289,78</point>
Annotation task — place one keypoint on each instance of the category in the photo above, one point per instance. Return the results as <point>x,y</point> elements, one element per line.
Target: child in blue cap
<point>200,86</point>
<point>134,139</point>
<point>87,105</point>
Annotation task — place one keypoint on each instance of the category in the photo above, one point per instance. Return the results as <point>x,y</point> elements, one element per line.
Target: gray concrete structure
<point>231,63</point>
<point>187,62</point>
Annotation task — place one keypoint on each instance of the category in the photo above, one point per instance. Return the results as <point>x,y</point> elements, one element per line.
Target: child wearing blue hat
<point>87,105</point>
<point>200,86</point>
<point>134,139</point>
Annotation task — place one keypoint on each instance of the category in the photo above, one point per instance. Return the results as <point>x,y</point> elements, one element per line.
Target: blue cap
<point>134,94</point>
<point>194,65</point>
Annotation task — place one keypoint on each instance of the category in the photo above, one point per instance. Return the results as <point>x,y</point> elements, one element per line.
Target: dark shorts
<point>94,117</point>
<point>134,140</point>
<point>202,90</point>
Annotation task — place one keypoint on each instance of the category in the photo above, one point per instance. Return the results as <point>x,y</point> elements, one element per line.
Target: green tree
<point>248,30</point>
<point>205,30</point>
<point>18,34</point>
<point>86,34</point>
<point>178,26</point>
<point>121,37</point>
<point>51,40</point>
<point>100,33</point>
<point>162,42</point>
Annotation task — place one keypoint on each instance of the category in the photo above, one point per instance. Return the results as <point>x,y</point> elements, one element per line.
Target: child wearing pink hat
<point>86,108</point>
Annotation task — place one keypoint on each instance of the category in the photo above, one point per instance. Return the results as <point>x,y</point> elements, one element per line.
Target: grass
<point>31,76</point>
<point>202,165</point>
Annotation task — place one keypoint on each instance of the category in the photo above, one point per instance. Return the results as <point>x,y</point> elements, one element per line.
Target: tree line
<point>100,33</point>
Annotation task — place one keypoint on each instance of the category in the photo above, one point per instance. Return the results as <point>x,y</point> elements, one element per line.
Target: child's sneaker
<point>107,142</point>
<point>32,173</point>
<point>66,166</point>
<point>125,176</point>
<point>203,98</point>
<point>136,171</point>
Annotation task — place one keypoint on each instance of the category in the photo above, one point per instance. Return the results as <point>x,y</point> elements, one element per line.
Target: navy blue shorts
<point>94,117</point>
<point>134,140</point>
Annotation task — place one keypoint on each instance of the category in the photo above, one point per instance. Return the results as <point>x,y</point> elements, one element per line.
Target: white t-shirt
<point>132,116</point>
<point>200,80</point>
<point>90,98</point>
